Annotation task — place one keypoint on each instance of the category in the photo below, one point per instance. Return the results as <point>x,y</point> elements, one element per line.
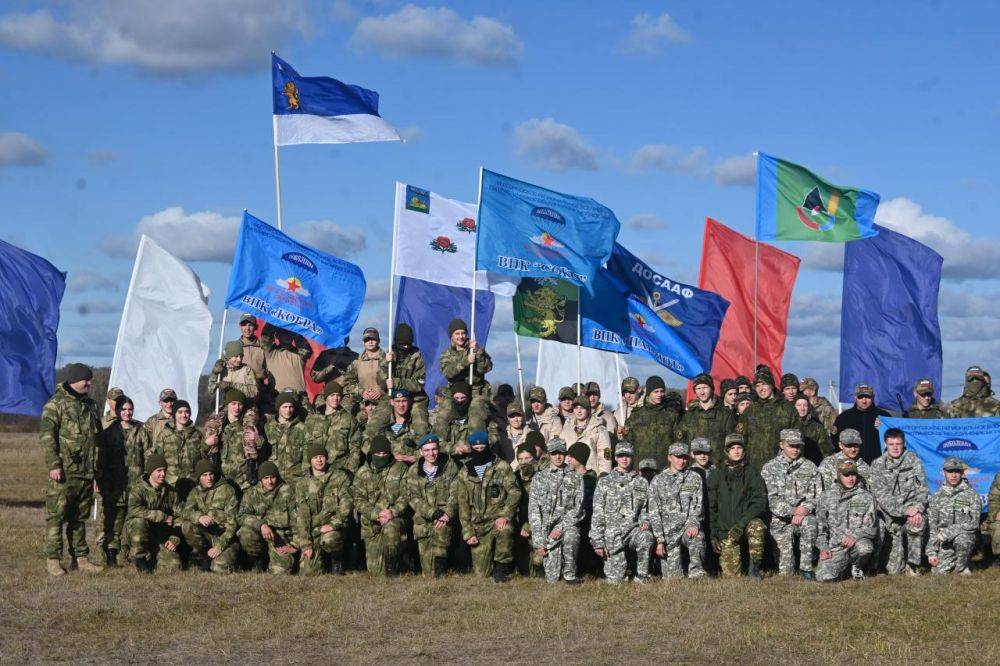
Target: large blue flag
<point>293,286</point>
<point>428,308</point>
<point>889,332</point>
<point>976,442</point>
<point>529,231</point>
<point>29,317</point>
<point>635,309</point>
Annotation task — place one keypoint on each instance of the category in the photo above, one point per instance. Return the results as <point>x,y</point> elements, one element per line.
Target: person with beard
<point>863,417</point>
<point>816,437</point>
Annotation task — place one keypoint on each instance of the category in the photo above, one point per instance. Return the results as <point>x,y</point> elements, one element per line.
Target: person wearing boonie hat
<point>329,489</point>
<point>155,423</point>
<point>847,526</point>
<point>210,520</point>
<point>863,417</point>
<point>707,416</point>
<point>849,444</point>
<point>583,426</point>
<point>266,517</point>
<point>555,510</point>
<point>924,405</point>
<point>429,495</point>
<point>334,428</point>
<point>153,543</point>
<point>793,488</point>
<point>954,513</point>
<point>677,514</point>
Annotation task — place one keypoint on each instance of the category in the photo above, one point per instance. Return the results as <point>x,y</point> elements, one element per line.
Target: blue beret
<point>478,437</point>
<point>428,438</point>
<point>399,393</point>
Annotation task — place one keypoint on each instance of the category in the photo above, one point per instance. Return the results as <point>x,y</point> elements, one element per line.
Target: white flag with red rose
<point>436,241</point>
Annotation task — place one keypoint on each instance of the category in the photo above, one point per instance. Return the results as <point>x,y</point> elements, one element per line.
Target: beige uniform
<point>595,436</point>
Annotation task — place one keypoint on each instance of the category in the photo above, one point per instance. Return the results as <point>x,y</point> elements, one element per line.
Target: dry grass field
<point>118,616</point>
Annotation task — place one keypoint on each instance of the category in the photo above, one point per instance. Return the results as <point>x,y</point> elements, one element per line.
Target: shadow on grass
<point>21,504</point>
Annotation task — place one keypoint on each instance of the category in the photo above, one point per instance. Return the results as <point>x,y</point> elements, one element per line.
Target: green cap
<point>267,468</point>
<point>233,348</point>
<point>315,449</point>
<point>203,466</point>
<point>154,462</point>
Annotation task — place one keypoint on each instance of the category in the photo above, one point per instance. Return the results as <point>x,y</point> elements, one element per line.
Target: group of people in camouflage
<point>367,476</point>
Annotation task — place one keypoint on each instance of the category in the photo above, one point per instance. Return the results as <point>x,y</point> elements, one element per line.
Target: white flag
<point>164,335</point>
<point>436,241</point>
<point>557,368</point>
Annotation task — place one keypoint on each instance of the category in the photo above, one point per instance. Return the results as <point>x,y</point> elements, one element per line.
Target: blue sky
<point>140,115</point>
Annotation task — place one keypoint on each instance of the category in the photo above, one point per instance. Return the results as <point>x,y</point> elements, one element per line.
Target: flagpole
<point>475,260</point>
<point>756,276</point>
<point>277,171</point>
<point>520,370</point>
<point>621,398</point>
<point>579,342</point>
<point>392,274</point>
<point>222,336</point>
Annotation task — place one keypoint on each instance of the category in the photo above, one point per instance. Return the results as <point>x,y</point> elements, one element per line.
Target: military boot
<point>440,566</point>
<point>85,565</point>
<point>54,567</point>
<point>200,561</point>
<point>391,567</point>
<point>753,570</point>
<point>110,557</point>
<point>259,565</point>
<point>337,567</point>
<point>143,565</point>
<point>501,572</point>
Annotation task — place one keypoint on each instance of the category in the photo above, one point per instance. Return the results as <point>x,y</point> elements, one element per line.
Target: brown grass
<point>120,616</point>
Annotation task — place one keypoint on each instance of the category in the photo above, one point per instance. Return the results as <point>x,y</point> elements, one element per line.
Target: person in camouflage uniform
<point>620,521</point>
<point>924,405</point>
<point>707,417</point>
<point>183,445</point>
<point>976,399</point>
<point>109,407</point>
<point>824,411</point>
<point>528,563</point>
<point>993,518</point>
<point>633,397</point>
<point>408,371</point>
<point>900,488</point>
<point>542,416</point>
<point>789,386</point>
<point>157,422</point>
<point>592,391</point>
<point>332,363</point>
<point>652,427</point>
<point>847,526</point>
<point>285,355</point>
<point>152,527</point>
<point>381,500</point>
<point>253,352</point>
<point>404,428</point>
<point>122,448</point>
<point>324,509</point>
<point>555,511</point>
<point>850,450</point>
<point>242,446</point>
<point>793,489</point>
<point>589,429</point>
<point>430,497</point>
<point>765,419</point>
<point>816,437</point>
<point>512,436</point>
<point>336,430</point>
<point>208,521</point>
<point>69,429</point>
<point>460,355</point>
<point>488,495</point>
<point>461,416</point>
<point>737,502</point>
<point>266,518</point>
<point>230,372</point>
<point>286,435</point>
<point>701,462</point>
<point>676,512</point>
<point>361,380</point>
<point>727,394</point>
<point>953,513</point>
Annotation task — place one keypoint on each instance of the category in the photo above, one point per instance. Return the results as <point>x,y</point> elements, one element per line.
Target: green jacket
<point>454,364</point>
<point>815,436</point>
<point>233,458</point>
<point>221,503</point>
<point>427,498</point>
<point>762,424</point>
<point>287,442</point>
<point>994,498</point>
<point>403,441</point>
<point>276,509</point>
<point>182,448</point>
<point>68,432</point>
<point>714,423</point>
<point>736,495</point>
<point>321,500</point>
<point>121,455</point>
<point>376,490</point>
<point>481,501</point>
<point>408,372</point>
<point>934,411</point>
<point>153,505</point>
<point>652,429</point>
<point>340,436</point>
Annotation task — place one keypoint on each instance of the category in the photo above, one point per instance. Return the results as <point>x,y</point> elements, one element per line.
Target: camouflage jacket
<point>816,438</point>
<point>69,428</point>
<point>403,440</point>
<point>994,498</point>
<point>340,436</point>
<point>456,431</point>
<point>363,373</point>
<point>241,378</point>
<point>791,484</point>
<point>232,455</point>
<point>454,364</point>
<point>843,512</point>
<point>555,502</point>
<point>595,436</point>
<point>121,456</point>
<point>825,412</point>
<point>652,429</point>
<point>253,356</point>
<point>408,372</point>
<point>762,424</point>
<point>620,509</point>
<point>376,490</point>
<point>154,505</point>
<point>182,448</point>
<point>898,484</point>
<point>287,441</point>
<point>426,498</point>
<point>969,408</point>
<point>828,469</point>
<point>320,500</point>
<point>481,501</point>
<point>676,503</point>
<point>714,423</point>
<point>331,364</point>
<point>221,503</point>
<point>276,509</point>
<point>934,411</point>
<point>953,510</point>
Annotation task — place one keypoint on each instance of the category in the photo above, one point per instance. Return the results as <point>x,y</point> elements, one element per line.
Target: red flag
<point>727,268</point>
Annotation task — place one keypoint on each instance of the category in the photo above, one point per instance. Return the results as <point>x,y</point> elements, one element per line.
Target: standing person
<point>850,450</point>
<point>542,417</point>
<point>463,353</point>
<point>707,417</point>
<point>152,527</point>
<point>555,510</point>
<point>333,428</point>
<point>286,434</point>
<point>253,351</point>
<point>381,501</point>
<point>361,380</point>
<point>632,398</point>
<point>525,559</point>
<point>241,448</point>
<point>793,489</point>
<point>863,417</point>
<point>155,423</point>
<point>900,489</point>
<point>266,518</point>
<point>488,495</point>
<point>847,526</point>
<point>109,406</point>
<point>676,514</point>
<point>593,392</point>
<point>954,513</point>
<point>737,502</point>
<point>231,372</point>
<point>324,510</point>
<point>332,363</point>
<point>764,419</point>
<point>431,498</point>
<point>993,518</point>
<point>976,399</point>
<point>727,392</point>
<point>652,427</point>
<point>789,386</point>
<point>285,354</point>
<point>513,435</point>
<point>822,408</point>
<point>69,429</point>
<point>182,445</point>
<point>567,394</point>
<point>589,429</point>
<point>408,371</point>
<point>924,405</point>
<point>814,433</point>
<point>209,521</point>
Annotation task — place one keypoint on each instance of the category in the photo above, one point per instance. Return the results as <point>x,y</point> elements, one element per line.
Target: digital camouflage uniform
<point>339,434</point>
<point>761,425</point>
<point>221,503</point>
<point>183,448</point>
<point>121,455</point>
<point>374,490</point>
<point>480,503</point>
<point>556,502</point>
<point>791,484</point>
<point>70,425</point>
<point>899,484</point>
<point>276,509</point>
<point>953,514</point>
<point>323,499</point>
<point>842,513</point>
<point>828,469</point>
<point>651,430</point>
<point>620,510</point>
<point>737,500</point>
<point>145,524</point>
<point>429,499</point>
<point>288,443</point>
<point>713,423</point>
<point>676,504</point>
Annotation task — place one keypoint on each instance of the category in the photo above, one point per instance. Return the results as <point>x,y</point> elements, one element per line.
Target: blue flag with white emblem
<point>293,286</point>
<point>635,309</point>
<point>529,231</point>
<point>318,109</point>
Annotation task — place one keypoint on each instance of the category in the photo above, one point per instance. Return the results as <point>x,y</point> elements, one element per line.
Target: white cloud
<point>101,157</point>
<point>163,38</point>
<point>17,149</point>
<point>643,221</point>
<point>438,32</point>
<point>814,315</point>
<point>665,157</point>
<point>97,306</point>
<point>411,133</point>
<point>553,146</point>
<point>650,34</point>
<point>378,291</point>
<point>736,170</point>
<point>344,11</point>
<point>82,281</point>
<point>329,237</point>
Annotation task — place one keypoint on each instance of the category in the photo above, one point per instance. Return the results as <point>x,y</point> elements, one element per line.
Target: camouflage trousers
<point>383,545</point>
<point>495,546</point>
<point>841,559</point>
<point>67,506</point>
<point>326,547</point>
<point>905,542</point>
<point>113,509</point>
<point>148,541</point>
<point>200,540</point>
<point>640,542</point>
<point>731,550</point>
<point>257,547</point>
<point>671,565</point>
<point>561,558</point>
<point>994,531</point>
<point>955,553</point>
<point>433,545</point>
<point>785,534</point>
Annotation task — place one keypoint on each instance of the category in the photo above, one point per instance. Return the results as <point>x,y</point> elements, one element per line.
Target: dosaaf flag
<point>793,203</point>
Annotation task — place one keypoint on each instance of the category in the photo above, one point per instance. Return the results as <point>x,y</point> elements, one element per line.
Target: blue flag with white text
<point>29,317</point>
<point>529,231</point>
<point>293,286</point>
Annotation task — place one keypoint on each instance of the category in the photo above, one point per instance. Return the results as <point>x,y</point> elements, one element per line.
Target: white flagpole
<point>277,172</point>
<point>579,342</point>
<point>392,273</point>
<point>475,260</point>
<point>222,336</point>
<point>621,398</point>
<point>520,370</point>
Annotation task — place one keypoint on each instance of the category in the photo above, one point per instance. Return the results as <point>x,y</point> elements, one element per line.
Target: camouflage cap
<point>630,385</point>
<point>245,317</point>
<point>733,439</point>
<point>315,449</point>
<point>556,445</point>
<point>924,387</point>
<point>648,463</point>
<point>846,467</point>
<point>514,408</point>
<point>624,449</point>
<point>232,348</point>
<point>679,449</point>
<point>850,436</point>
<point>791,436</point>
<point>567,393</point>
<point>863,389</point>
<point>370,333</point>
<point>592,388</point>
<point>536,394</point>
<point>581,401</point>
<point>789,379</point>
<point>975,372</point>
<point>114,393</point>
<point>168,394</point>
<point>954,464</point>
<point>701,445</point>
<point>809,382</point>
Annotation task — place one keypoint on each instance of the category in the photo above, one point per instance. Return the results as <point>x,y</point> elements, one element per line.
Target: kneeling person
<point>847,526</point>
<point>676,513</point>
<point>323,512</point>
<point>150,524</point>
<point>209,521</point>
<point>265,520</point>
<point>555,511</point>
<point>954,519</point>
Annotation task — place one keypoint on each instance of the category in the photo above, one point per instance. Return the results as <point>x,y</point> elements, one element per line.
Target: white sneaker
<point>965,572</point>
